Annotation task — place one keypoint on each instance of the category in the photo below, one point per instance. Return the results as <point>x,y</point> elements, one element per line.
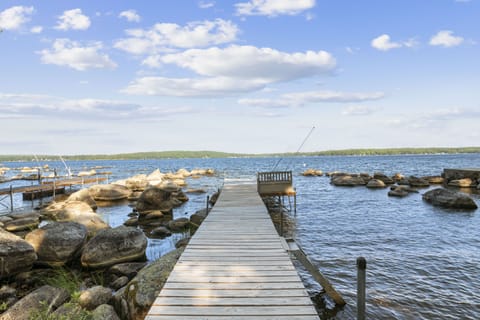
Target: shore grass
<point>216,154</point>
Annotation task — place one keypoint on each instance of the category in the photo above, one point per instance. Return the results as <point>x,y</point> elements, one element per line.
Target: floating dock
<point>234,267</point>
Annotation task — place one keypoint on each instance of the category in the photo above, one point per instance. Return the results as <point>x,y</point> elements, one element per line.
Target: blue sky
<point>252,76</point>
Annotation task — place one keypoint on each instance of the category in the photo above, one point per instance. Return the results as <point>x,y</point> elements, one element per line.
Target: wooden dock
<point>234,267</point>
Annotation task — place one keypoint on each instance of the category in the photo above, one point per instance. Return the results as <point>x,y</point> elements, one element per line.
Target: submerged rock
<point>449,199</point>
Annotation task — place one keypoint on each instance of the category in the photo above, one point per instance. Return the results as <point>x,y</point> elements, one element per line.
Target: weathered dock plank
<point>234,267</point>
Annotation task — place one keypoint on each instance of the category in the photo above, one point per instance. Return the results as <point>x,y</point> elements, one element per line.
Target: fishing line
<point>298,150</point>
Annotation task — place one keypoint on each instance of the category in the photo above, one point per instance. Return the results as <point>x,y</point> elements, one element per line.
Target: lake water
<point>423,262</point>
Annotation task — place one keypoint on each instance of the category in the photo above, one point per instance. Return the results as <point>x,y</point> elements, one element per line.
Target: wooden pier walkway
<point>234,267</point>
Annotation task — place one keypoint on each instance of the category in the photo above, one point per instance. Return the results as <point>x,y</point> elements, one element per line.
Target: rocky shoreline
<point>63,260</point>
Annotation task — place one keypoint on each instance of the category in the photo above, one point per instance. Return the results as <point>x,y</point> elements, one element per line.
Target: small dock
<point>235,267</point>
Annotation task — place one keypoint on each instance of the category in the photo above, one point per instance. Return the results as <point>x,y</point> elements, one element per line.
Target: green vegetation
<point>215,154</point>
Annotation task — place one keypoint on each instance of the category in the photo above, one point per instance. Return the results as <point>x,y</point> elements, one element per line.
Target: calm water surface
<point>423,262</point>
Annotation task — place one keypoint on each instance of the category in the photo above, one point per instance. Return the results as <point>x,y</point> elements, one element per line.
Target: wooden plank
<point>230,293</point>
<point>230,317</point>
<point>233,310</point>
<point>229,286</point>
<point>231,301</point>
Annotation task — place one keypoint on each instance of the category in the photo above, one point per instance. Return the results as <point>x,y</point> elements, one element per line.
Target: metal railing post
<point>361,283</point>
<point>11,198</point>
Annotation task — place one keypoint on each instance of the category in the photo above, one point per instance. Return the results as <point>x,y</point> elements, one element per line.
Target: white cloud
<point>130,15</point>
<point>273,8</point>
<point>46,106</point>
<point>206,4</point>
<point>298,99</point>
<point>383,43</point>
<point>72,54</point>
<point>73,19</point>
<point>36,29</point>
<point>15,17</point>
<point>445,38</point>
<point>359,110</point>
<point>231,70</point>
<point>249,62</point>
<point>191,87</point>
<point>164,36</point>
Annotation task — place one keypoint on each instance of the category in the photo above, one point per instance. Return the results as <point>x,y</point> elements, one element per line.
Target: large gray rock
<point>463,183</point>
<point>85,196</point>
<point>381,176</point>
<point>178,225</point>
<point>128,269</point>
<point>112,246</point>
<point>95,296</point>
<point>35,301</point>
<point>448,199</point>
<point>104,312</point>
<point>135,299</point>
<point>57,243</point>
<point>154,199</point>
<point>418,182</point>
<point>347,181</point>
<point>16,254</point>
<point>376,184</point>
<point>109,192</point>
<point>76,211</point>
<point>22,224</point>
<point>198,217</point>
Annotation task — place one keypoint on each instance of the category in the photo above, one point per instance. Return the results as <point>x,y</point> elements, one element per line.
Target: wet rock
<point>16,254</point>
<point>112,246</point>
<point>312,173</point>
<point>131,222</point>
<point>449,199</point>
<point>434,179</point>
<point>109,192</point>
<point>155,178</point>
<point>152,215</point>
<point>418,182</point>
<point>381,176</point>
<point>154,198</point>
<point>196,191</point>
<point>135,299</point>
<point>104,312</point>
<point>35,301</point>
<point>85,196</point>
<point>198,217</point>
<point>182,243</point>
<point>347,180</point>
<point>57,243</point>
<point>375,184</point>
<point>94,296</point>
<point>463,183</point>
<point>178,225</point>
<point>214,198</point>
<point>160,232</point>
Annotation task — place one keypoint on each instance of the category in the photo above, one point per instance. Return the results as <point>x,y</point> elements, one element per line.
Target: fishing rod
<point>298,150</point>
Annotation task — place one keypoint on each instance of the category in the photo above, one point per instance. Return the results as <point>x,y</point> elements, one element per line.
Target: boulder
<point>398,177</point>
<point>312,173</point>
<point>109,192</point>
<point>155,178</point>
<point>16,254</point>
<point>381,176</point>
<point>196,190</point>
<point>347,180</point>
<point>57,243</point>
<point>160,232</point>
<point>95,296</point>
<point>76,211</point>
<point>463,183</point>
<point>418,182</point>
<point>137,183</point>
<point>69,311</point>
<point>178,225</point>
<point>154,198</point>
<point>434,179</point>
<point>135,299</point>
<point>449,199</point>
<point>104,312</point>
<point>198,217</point>
<point>128,269</point>
<point>119,282</point>
<point>180,196</point>
<point>375,184</point>
<point>85,196</point>
<point>22,224</point>
<point>112,246</point>
<point>35,302</point>
<point>184,173</point>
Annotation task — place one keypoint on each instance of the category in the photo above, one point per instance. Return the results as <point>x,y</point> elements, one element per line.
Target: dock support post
<point>295,202</point>
<point>361,282</point>
<point>208,200</point>
<point>11,198</point>
<point>54,181</point>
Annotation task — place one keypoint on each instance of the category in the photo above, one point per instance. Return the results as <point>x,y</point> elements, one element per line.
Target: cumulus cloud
<point>130,15</point>
<point>384,43</point>
<point>273,8</point>
<point>231,70</point>
<point>445,38</point>
<point>165,36</point>
<point>65,52</point>
<point>15,17</point>
<point>298,99</point>
<point>73,20</point>
<point>206,4</point>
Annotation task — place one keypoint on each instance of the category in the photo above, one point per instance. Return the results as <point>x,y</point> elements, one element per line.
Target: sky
<point>244,76</point>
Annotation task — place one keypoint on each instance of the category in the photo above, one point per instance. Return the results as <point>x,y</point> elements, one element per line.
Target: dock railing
<point>275,183</point>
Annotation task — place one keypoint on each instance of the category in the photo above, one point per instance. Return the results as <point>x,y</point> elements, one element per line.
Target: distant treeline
<point>215,154</point>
